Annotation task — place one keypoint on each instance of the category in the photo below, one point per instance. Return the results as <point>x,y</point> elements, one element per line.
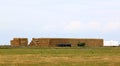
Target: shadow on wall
<point>63,45</point>
<point>81,44</point>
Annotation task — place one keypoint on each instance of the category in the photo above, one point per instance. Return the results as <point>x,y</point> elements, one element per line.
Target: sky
<point>59,19</point>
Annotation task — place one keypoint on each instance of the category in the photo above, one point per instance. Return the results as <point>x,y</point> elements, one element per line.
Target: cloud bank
<point>83,26</point>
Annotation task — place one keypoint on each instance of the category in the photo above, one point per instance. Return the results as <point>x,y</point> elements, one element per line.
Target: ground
<point>84,56</point>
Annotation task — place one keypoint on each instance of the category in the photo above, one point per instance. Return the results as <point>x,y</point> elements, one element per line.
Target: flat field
<point>86,56</point>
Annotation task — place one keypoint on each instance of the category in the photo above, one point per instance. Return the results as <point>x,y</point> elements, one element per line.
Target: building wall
<point>15,42</point>
<point>74,42</point>
<point>53,42</point>
<point>93,42</point>
<point>12,42</point>
<point>19,42</point>
<point>39,42</point>
<point>23,42</point>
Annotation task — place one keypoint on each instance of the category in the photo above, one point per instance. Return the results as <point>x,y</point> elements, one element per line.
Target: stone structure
<point>56,42</point>
<point>19,42</point>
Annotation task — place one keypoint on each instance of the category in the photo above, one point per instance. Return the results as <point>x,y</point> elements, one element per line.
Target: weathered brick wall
<point>19,42</point>
<point>12,43</point>
<point>23,41</point>
<point>53,42</point>
<point>74,42</point>
<point>94,42</point>
<point>41,42</point>
<point>15,42</point>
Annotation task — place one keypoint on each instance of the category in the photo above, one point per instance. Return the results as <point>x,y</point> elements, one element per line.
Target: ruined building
<point>19,42</point>
<point>57,42</point>
<point>60,42</point>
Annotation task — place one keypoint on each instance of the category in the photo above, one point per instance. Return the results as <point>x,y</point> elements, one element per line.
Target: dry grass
<point>30,58</point>
<point>55,57</point>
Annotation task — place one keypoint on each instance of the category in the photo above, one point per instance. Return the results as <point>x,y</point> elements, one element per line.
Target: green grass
<point>76,56</point>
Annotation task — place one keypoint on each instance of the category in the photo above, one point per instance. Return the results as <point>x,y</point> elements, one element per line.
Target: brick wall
<point>53,42</point>
<point>19,42</point>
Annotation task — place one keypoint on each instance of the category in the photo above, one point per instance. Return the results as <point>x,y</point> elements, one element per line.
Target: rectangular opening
<point>63,45</point>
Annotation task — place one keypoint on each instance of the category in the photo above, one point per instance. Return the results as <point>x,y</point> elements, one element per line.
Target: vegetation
<point>66,56</point>
<point>81,44</point>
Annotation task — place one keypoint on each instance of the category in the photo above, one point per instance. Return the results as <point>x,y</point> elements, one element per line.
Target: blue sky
<point>59,18</point>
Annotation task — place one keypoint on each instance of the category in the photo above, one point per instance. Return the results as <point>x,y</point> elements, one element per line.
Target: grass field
<point>86,56</point>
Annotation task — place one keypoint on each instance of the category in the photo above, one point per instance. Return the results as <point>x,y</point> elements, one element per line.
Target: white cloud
<point>82,26</point>
<point>112,26</point>
<point>93,25</point>
<point>74,26</point>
